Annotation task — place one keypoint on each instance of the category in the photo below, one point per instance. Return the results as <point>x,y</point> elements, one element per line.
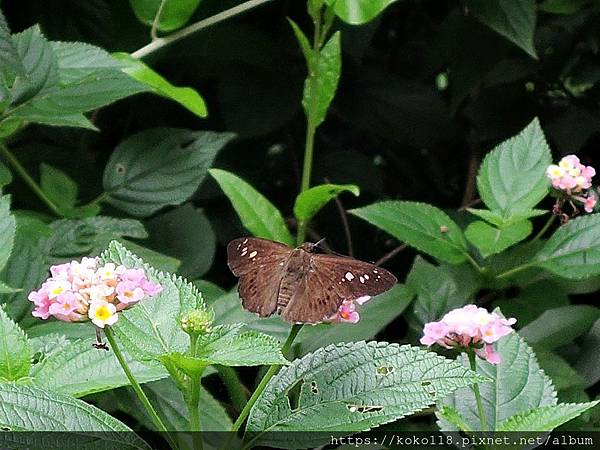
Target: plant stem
<point>156,21</point>
<point>475,387</point>
<point>236,390</point>
<point>159,43</point>
<point>194,399</point>
<point>514,270</point>
<point>138,389</point>
<point>545,228</point>
<point>33,185</point>
<point>472,261</point>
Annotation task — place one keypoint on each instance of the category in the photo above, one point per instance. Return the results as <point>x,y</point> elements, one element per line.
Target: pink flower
<point>590,203</point>
<point>347,313</point>
<point>469,327</point>
<point>570,175</point>
<point>79,291</point>
<point>129,292</point>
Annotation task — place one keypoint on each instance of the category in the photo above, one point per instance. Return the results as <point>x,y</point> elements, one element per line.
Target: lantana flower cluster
<point>574,181</point>
<point>80,291</point>
<point>469,327</point>
<point>347,312</point>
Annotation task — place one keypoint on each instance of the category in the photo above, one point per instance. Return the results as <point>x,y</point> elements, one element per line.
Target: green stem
<point>236,390</point>
<point>14,162</point>
<point>472,261</point>
<point>156,21</point>
<point>194,399</point>
<point>159,43</point>
<point>160,426</point>
<point>261,386</point>
<point>475,387</point>
<point>545,228</point>
<point>514,270</point>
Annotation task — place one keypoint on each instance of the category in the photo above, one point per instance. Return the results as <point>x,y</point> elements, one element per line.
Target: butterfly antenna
<point>318,244</point>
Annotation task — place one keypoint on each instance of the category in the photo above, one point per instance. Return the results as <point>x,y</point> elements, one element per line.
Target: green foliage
<point>185,96</point>
<point>518,385</point>
<point>490,240</point>
<point>419,225</point>
<point>512,178</point>
<point>319,90</point>
<point>353,387</point>
<point>196,243</point>
<point>257,213</point>
<point>309,202</point>
<point>15,350</point>
<point>174,13</point>
<point>160,167</point>
<point>7,230</point>
<point>152,328</point>
<point>513,19</point>
<point>358,12</point>
<point>559,326</point>
<point>546,418</point>
<point>573,251</point>
<point>28,408</point>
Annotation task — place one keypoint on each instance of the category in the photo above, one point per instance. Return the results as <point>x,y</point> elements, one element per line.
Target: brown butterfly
<point>301,285</point>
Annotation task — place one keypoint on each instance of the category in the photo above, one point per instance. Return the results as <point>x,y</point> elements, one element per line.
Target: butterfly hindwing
<point>352,279</point>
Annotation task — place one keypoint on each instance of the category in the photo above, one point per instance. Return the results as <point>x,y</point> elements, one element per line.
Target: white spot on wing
<point>366,276</point>
<point>253,254</point>
<point>349,276</point>
<point>362,280</point>
<point>363,299</point>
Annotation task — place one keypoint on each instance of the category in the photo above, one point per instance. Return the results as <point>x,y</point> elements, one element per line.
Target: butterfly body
<point>301,285</point>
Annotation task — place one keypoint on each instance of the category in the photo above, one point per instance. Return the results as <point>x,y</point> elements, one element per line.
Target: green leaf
<point>77,60</point>
<point>27,266</point>
<point>375,315</point>
<point>319,89</point>
<point>352,387</point>
<point>160,167</point>
<point>6,289</point>
<point>451,415</point>
<point>88,237</point>
<point>563,376</point>
<point>195,244</point>
<point>257,213</point>
<point>39,67</point>
<point>559,326</point>
<point>7,230</point>
<point>95,370</point>
<point>174,14</point>
<point>419,225</point>
<point>309,202</point>
<point>15,350</point>
<point>358,12</point>
<point>228,346</point>
<point>566,7</point>
<point>58,186</point>
<point>512,178</point>
<point>490,240</point>
<point>185,96</point>
<point>10,62</point>
<point>155,259</point>
<point>573,251</point>
<point>307,50</point>
<point>436,289</point>
<point>28,408</point>
<point>532,301</point>
<point>5,175</point>
<point>513,19</point>
<point>588,364</point>
<point>152,328</point>
<point>495,218</point>
<point>546,418</point>
<point>518,385</point>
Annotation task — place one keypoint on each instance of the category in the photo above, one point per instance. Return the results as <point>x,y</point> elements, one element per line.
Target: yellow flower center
<point>57,290</point>
<point>103,313</point>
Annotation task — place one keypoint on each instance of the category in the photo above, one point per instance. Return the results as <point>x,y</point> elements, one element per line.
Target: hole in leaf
<point>293,393</point>
<point>313,387</point>
<point>426,383</point>
<point>5,428</point>
<point>384,370</point>
<point>120,169</point>
<point>364,408</point>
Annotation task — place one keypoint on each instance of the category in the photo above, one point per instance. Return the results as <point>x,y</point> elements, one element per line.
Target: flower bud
<point>198,321</point>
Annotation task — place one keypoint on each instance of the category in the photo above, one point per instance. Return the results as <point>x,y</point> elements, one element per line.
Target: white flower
<point>103,313</point>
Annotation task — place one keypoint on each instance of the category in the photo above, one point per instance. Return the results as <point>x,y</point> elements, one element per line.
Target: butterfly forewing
<point>352,279</point>
<point>260,265</point>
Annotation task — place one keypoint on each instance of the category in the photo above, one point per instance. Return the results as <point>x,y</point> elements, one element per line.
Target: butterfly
<point>298,283</point>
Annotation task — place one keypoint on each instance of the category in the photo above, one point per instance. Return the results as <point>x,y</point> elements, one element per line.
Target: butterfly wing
<point>331,280</point>
<point>259,263</point>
